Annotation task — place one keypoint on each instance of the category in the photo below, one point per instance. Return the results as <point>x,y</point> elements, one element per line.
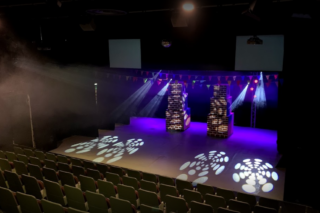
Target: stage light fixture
<point>251,89</point>
<point>95,84</point>
<point>239,100</point>
<point>256,81</point>
<point>188,6</point>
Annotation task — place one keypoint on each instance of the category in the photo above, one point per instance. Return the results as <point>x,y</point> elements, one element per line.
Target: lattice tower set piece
<point>220,119</point>
<point>178,113</point>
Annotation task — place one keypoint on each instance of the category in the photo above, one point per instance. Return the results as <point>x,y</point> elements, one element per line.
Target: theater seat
<point>97,202</point>
<point>200,207</point>
<point>176,204</point>
<point>55,192</point>
<point>107,189</point>
<point>121,206</point>
<point>87,184</point>
<point>76,198</point>
<point>35,171</point>
<point>128,193</point>
<point>29,203</point>
<point>8,201</point>
<point>51,207</point>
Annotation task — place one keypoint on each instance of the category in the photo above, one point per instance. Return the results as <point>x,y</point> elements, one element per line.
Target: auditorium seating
<point>76,185</point>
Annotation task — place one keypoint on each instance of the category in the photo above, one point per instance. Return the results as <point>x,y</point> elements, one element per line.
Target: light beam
<point>150,109</point>
<point>260,95</point>
<point>239,100</point>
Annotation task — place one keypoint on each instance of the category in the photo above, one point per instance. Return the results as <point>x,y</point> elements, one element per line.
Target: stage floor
<point>245,162</point>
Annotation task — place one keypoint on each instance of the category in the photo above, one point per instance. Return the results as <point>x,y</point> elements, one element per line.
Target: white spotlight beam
<point>239,100</point>
<point>130,105</point>
<point>260,95</point>
<point>150,109</point>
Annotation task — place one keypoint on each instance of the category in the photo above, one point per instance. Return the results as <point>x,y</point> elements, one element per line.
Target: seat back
<point>200,207</point>
<point>18,150</point>
<point>29,152</point>
<point>190,195</point>
<point>167,190</point>
<point>224,210</point>
<point>117,170</point>
<point>40,155</point>
<point>205,189</point>
<point>97,202</point>
<point>73,210</point>
<point>35,161</point>
<point>64,167</point>
<point>87,184</point>
<point>120,206</point>
<point>127,193</point>
<point>23,158</point>
<point>67,178</point>
<point>75,198</point>
<point>106,188</point>
<point>8,202</point>
<point>149,186</point>
<point>114,178</point>
<point>76,162</point>
<point>2,180</point>
<point>182,184</point>
<point>148,198</point>
<point>20,167</point>
<point>2,155</point>
<point>240,206</point>
<point>51,156</point>
<point>292,208</point>
<point>51,207</point>
<point>226,194</point>
<point>50,164</point>
<point>14,181</point>
<point>262,209</point>
<point>50,174</point>
<point>102,168</point>
<point>77,171</point>
<point>5,165</point>
<point>63,159</point>
<point>250,199</point>
<point>270,203</point>
<point>95,174</point>
<point>149,177</point>
<point>89,165</point>
<point>134,174</point>
<point>11,156</point>
<point>166,180</point>
<point>32,186</point>
<point>54,192</point>
<point>176,204</point>
<point>35,171</point>
<point>149,209</point>
<point>130,181</point>
<point>215,201</point>
<point>28,203</point>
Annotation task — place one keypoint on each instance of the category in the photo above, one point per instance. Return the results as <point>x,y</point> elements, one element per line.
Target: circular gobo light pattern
<point>258,175</point>
<point>114,151</point>
<point>198,169</point>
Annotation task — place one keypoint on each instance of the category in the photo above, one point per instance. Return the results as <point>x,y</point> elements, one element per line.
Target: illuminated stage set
<point>216,153</point>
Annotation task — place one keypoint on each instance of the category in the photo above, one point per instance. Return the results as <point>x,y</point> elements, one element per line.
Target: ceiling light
<point>188,6</point>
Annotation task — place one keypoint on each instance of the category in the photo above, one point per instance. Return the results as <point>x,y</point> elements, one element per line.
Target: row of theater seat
<point>133,186</point>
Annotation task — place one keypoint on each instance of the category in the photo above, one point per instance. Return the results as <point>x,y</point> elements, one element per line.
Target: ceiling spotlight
<point>251,88</point>
<point>256,81</point>
<point>188,6</point>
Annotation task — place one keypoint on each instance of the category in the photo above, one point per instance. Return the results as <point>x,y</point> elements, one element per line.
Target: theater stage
<point>244,162</point>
